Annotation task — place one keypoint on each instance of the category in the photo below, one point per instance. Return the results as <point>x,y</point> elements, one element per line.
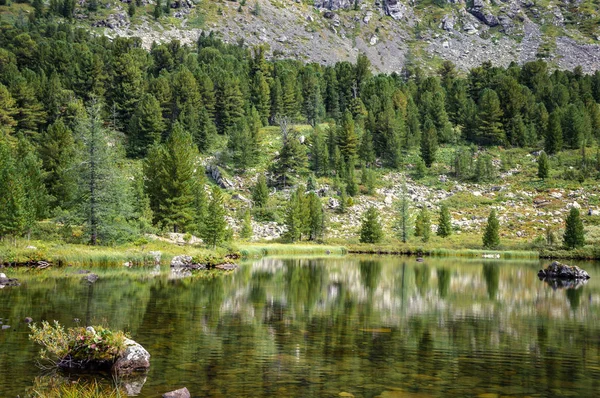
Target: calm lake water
<point>322,327</point>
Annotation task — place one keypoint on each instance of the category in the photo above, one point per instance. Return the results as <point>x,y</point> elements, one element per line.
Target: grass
<point>100,256</point>
<point>407,249</point>
<point>56,387</point>
<point>271,249</point>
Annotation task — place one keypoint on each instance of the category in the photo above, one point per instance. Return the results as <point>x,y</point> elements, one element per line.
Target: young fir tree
<point>423,225</point>
<point>489,118</point>
<point>428,143</point>
<point>316,218</point>
<point>491,236</point>
<point>543,166</point>
<point>246,230</point>
<point>351,185</point>
<point>574,235</point>
<point>292,158</point>
<point>260,192</point>
<point>370,228</point>
<point>444,225</point>
<point>366,151</point>
<point>403,222</point>
<point>296,213</point>
<point>215,225</point>
<point>553,141</point>
<point>368,180</point>
<point>343,200</point>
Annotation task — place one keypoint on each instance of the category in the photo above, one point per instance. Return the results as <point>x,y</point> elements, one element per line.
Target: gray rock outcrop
<point>335,4</point>
<point>395,9</point>
<point>6,281</point>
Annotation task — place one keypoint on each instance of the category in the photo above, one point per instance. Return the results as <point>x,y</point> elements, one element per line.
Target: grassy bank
<point>585,253</point>
<point>24,252</point>
<point>437,251</point>
<point>255,250</point>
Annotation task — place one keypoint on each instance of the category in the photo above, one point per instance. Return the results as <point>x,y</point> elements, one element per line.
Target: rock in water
<point>134,359</point>
<point>557,270</point>
<point>181,393</point>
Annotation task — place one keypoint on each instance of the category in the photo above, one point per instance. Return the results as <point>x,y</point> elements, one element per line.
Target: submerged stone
<point>181,393</point>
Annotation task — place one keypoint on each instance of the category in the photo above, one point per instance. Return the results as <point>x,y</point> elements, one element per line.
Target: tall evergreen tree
<point>316,219</point>
<point>260,192</point>
<point>574,235</point>
<point>347,138</point>
<point>491,237</point>
<point>246,230</point>
<point>403,221</point>
<point>13,216</point>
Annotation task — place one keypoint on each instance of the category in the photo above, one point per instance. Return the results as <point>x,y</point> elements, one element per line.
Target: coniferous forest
<point>103,141</point>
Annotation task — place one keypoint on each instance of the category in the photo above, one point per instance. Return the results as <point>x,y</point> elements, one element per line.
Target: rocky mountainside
<point>391,32</point>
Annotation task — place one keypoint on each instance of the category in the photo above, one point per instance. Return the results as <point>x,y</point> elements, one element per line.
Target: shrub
<point>77,347</point>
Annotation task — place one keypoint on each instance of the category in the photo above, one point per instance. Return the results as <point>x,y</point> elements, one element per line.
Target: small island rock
<point>181,393</point>
<point>557,270</point>
<point>134,359</point>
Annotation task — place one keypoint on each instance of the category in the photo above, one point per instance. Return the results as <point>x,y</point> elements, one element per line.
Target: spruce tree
<point>295,219</point>
<point>543,166</point>
<point>366,151</point>
<point>351,185</point>
<point>489,118</point>
<point>215,225</point>
<point>445,224</point>
<point>370,228</point>
<point>292,158</point>
<point>13,215</point>
<point>491,237</point>
<point>423,225</point>
<point>574,235</point>
<point>343,200</point>
<point>347,138</point>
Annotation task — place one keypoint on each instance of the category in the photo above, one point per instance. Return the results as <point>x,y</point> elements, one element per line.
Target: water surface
<point>367,326</point>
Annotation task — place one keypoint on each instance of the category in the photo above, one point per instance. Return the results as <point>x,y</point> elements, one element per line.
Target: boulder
<point>134,359</point>
<point>334,4</point>
<point>182,261</point>
<point>181,393</point>
<point>557,270</point>
<point>90,278</point>
<point>395,9</point>
<point>6,281</point>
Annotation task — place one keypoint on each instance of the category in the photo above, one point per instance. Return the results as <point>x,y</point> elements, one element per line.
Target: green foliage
<point>403,218</point>
<point>77,344</point>
<point>423,225</point>
<point>246,230</point>
<point>491,236</point>
<point>444,225</point>
<point>484,169</point>
<point>215,226</point>
<point>260,192</point>
<point>428,143</point>
<point>574,236</point>
<point>370,228</point>
<point>543,166</point>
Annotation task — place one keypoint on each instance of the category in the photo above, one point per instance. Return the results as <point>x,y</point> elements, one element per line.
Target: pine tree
<point>29,170</point>
<point>347,138</point>
<point>574,235</point>
<point>7,111</point>
<point>351,185</point>
<point>543,166</point>
<point>428,143</point>
<point>367,151</point>
<point>491,237</point>
<point>246,230</point>
<point>445,224</point>
<point>554,140</point>
<point>489,118</point>
<point>319,153</point>
<point>260,192</point>
<point>261,97</point>
<point>146,125</point>
<point>423,225</point>
<point>343,200</point>
<point>215,225</point>
<point>370,228</point>
<point>292,158</point>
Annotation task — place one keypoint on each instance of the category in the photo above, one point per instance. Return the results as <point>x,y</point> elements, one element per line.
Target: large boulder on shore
<point>557,270</point>
<point>135,358</point>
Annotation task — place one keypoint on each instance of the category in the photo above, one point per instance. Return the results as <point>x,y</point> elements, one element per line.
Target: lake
<point>328,327</point>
